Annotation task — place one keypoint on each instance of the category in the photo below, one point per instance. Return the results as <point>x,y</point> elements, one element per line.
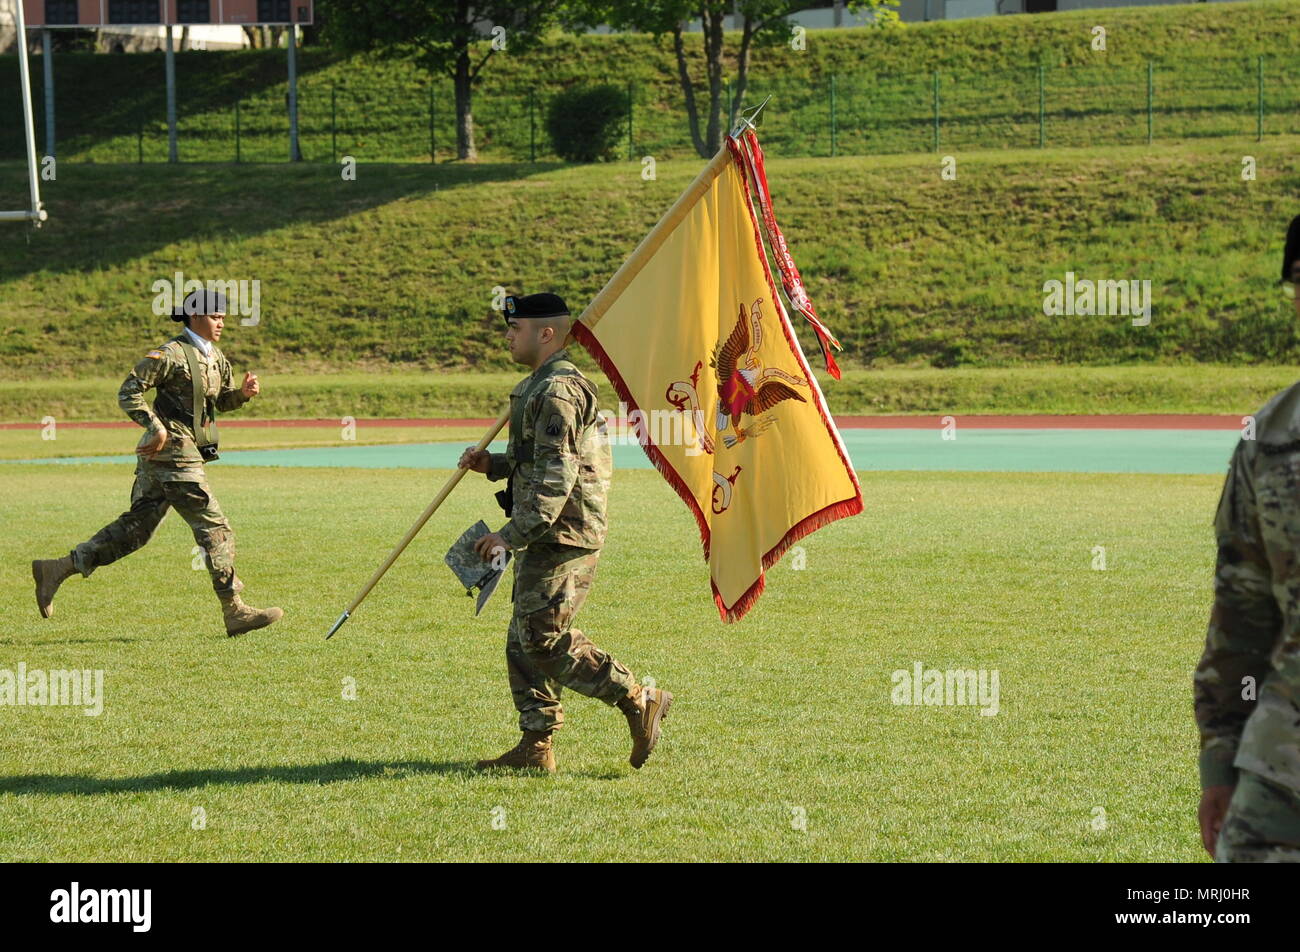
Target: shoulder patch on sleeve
<point>555,425</point>
<point>561,388</point>
<point>155,354</point>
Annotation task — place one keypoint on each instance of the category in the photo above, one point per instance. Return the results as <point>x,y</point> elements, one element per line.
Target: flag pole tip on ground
<point>337,625</point>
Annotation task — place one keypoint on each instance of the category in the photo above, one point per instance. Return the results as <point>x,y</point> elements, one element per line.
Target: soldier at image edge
<point>179,437</point>
<point>1247,685</point>
<point>558,466</point>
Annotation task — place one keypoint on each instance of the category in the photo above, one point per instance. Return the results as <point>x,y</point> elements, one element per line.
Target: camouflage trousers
<point>159,487</point>
<point>544,652</point>
<point>1262,824</point>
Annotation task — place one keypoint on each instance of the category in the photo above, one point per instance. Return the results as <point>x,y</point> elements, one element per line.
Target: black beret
<point>535,305</point>
<point>1292,252</point>
<point>200,301</point>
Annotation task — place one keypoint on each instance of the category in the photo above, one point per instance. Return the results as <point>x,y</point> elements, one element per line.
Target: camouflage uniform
<point>560,465</point>
<point>173,478</point>
<point>1262,824</point>
<point>1254,640</point>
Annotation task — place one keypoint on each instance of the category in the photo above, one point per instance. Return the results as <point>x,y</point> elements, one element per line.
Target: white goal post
<point>35,213</point>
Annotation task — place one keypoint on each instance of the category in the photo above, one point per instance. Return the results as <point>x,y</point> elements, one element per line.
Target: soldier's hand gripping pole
<point>419,524</point>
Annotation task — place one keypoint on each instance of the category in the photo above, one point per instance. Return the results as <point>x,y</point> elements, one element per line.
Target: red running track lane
<point>263,424</point>
<point>1135,421</point>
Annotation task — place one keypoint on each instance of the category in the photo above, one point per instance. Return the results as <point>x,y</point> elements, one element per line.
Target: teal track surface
<point>972,450</point>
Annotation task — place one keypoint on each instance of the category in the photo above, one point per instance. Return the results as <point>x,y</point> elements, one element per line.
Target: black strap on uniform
<point>204,424</point>
<point>523,452</point>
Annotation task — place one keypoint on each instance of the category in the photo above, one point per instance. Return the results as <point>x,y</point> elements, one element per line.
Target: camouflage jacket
<point>558,457</point>
<point>167,370</point>
<point>1247,685</point>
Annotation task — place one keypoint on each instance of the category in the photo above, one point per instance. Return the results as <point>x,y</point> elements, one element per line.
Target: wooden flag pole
<point>419,524</point>
<point>652,241</point>
<point>663,228</point>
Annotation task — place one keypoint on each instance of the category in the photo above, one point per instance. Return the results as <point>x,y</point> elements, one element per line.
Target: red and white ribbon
<point>750,155</point>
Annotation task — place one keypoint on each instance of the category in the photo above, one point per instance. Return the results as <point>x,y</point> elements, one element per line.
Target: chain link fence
<point>832,115</point>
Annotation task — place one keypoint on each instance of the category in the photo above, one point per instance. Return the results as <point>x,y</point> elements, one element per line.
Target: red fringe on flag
<point>805,526</point>
<point>588,340</point>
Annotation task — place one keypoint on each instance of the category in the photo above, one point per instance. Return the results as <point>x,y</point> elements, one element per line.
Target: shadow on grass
<point>74,641</point>
<point>102,96</point>
<point>106,216</point>
<point>332,772</point>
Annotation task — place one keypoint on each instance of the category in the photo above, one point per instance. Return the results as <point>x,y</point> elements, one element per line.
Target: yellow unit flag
<point>693,335</point>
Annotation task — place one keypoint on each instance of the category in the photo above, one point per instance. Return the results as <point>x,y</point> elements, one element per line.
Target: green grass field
<point>787,711</point>
<point>1193,388</point>
<point>71,442</point>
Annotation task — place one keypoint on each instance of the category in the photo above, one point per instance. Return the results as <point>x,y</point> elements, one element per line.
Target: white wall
<point>144,38</point>
<point>7,30</point>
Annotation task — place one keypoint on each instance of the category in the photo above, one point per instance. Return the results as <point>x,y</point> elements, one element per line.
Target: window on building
<point>61,12</point>
<point>194,11</point>
<point>273,11</point>
<point>133,11</point>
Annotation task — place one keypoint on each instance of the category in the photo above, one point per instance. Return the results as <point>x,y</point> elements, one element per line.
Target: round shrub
<point>585,123</point>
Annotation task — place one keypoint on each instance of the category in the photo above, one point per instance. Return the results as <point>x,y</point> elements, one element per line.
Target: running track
<point>1150,443</point>
<point>1141,421</point>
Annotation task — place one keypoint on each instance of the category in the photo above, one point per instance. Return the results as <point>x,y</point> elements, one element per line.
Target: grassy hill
<point>112,108</point>
<point>396,270</point>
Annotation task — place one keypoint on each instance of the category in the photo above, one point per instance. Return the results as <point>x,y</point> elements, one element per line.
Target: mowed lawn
<point>73,441</point>
<point>783,743</point>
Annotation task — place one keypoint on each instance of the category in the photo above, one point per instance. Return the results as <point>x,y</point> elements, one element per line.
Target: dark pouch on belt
<point>505,498</point>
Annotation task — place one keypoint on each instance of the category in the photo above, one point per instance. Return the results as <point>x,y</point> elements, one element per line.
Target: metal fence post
<point>47,63</point>
<point>433,142</point>
<point>532,130</point>
<point>867,131</point>
<point>1042,106</point>
<point>170,65</point>
<point>833,115</point>
<point>629,120</point>
<point>936,110</point>
<point>1259,95</point>
<point>238,156</point>
<point>295,152</point>
<point>1151,92</point>
<point>334,126</point>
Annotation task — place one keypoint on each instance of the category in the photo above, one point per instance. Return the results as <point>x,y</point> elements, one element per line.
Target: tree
<point>266,37</point>
<point>763,24</point>
<point>439,35</point>
<point>311,34</point>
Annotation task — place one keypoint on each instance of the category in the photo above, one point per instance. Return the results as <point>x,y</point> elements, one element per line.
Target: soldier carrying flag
<point>558,464</point>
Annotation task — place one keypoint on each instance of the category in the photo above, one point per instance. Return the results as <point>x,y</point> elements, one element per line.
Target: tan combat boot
<point>644,708</point>
<point>49,575</point>
<point>241,618</point>
<point>534,751</point>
